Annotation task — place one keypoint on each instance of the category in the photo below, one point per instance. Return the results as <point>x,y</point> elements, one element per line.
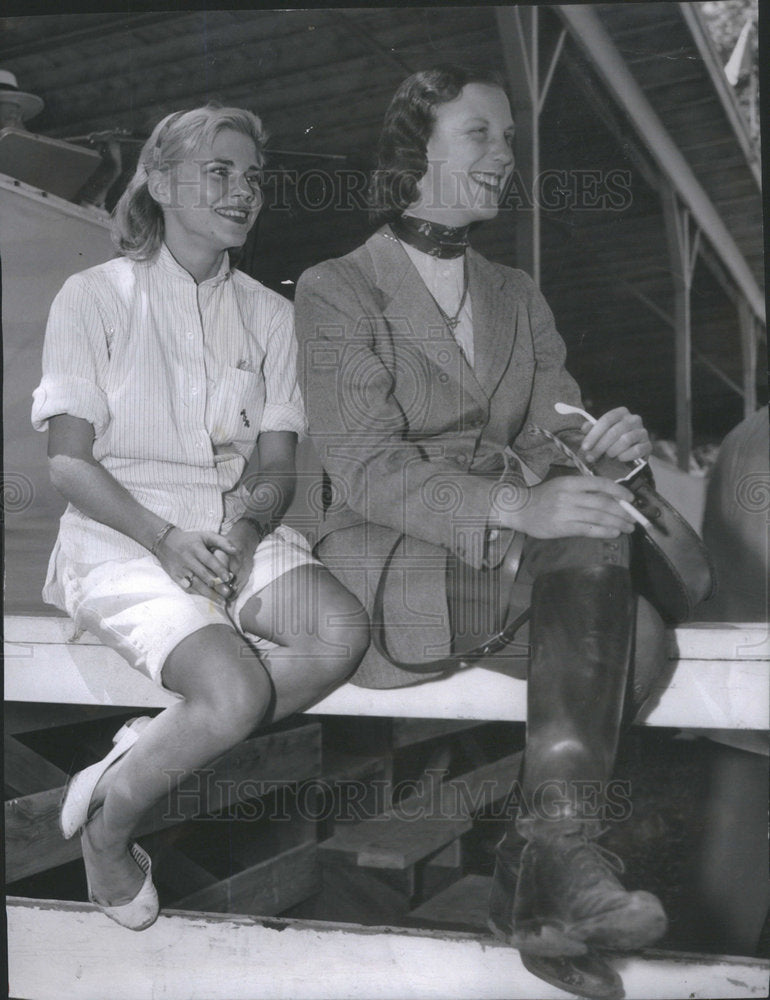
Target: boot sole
<point>566,975</point>
<point>559,970</point>
<point>547,942</point>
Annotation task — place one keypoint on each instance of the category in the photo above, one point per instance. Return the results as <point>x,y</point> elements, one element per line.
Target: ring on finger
<point>186,582</point>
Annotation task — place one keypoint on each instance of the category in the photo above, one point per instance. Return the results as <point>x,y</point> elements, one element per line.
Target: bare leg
<point>226,693</point>
<point>321,630</point>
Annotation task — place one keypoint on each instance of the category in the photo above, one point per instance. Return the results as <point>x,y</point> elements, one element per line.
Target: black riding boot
<point>558,897</point>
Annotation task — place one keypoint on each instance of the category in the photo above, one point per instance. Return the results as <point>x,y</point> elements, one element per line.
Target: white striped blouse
<point>178,380</point>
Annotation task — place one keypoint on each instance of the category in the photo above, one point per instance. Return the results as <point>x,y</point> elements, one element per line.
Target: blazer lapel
<point>494,321</point>
<point>405,298</point>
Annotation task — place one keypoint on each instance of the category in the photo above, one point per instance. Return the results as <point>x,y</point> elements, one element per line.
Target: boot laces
<point>601,855</point>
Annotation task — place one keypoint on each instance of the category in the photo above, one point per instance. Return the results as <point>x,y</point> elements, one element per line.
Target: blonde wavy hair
<point>137,219</point>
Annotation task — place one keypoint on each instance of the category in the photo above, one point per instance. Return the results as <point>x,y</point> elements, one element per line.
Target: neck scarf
<point>432,238</point>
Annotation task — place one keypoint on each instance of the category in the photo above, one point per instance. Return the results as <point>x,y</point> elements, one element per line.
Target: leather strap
<point>454,661</point>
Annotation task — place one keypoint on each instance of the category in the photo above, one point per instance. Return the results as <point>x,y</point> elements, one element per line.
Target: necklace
<point>452,321</point>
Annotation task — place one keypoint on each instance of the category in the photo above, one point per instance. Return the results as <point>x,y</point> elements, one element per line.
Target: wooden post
<point>683,250</point>
<point>748,327</point>
<point>519,30</point>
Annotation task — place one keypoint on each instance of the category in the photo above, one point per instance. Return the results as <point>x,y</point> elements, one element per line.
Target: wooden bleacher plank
<point>422,824</point>
<point>718,678</point>
<point>45,664</point>
<point>173,870</point>
<point>27,771</point>
<point>409,732</point>
<point>462,906</point>
<point>386,842</point>
<point>341,766</point>
<point>267,888</point>
<point>61,949</point>
<point>34,842</point>
<point>482,787</point>
<point>30,716</point>
<point>364,896</point>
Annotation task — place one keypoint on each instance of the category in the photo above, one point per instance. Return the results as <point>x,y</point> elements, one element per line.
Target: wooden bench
<point>63,949</point>
<point>718,677</point>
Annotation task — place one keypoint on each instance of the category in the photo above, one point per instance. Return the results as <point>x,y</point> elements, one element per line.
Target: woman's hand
<point>200,557</point>
<point>567,506</point>
<point>617,434</point>
<point>244,536</point>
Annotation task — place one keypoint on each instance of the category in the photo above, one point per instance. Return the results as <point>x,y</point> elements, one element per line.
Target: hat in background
<point>14,103</point>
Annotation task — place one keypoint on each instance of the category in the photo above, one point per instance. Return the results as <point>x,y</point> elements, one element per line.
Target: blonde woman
<point>170,398</point>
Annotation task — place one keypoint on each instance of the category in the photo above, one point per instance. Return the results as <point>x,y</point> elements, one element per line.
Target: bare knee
<point>240,704</point>
<point>221,680</point>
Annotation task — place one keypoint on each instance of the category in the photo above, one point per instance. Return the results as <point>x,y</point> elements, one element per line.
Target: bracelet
<point>167,527</point>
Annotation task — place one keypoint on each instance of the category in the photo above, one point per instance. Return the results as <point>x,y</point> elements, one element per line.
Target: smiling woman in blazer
<point>430,376</point>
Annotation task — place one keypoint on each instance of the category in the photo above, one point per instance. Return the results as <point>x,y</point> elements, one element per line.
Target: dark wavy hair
<point>402,154</point>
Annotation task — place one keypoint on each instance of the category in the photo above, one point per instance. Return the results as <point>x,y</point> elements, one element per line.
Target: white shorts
<point>135,607</point>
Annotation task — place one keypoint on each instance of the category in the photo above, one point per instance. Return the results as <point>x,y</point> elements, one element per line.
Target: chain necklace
<point>452,321</point>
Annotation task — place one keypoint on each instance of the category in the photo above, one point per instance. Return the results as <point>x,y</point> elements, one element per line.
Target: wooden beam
<point>435,815</point>
<point>34,842</point>
<point>264,889</point>
<point>26,771</point>
<point>408,732</point>
<point>749,338</point>
<point>173,870</point>
<point>29,716</point>
<point>464,905</point>
<point>517,28</point>
<point>589,33</point>
<point>59,949</point>
<point>40,666</point>
<point>364,896</point>
<point>387,842</point>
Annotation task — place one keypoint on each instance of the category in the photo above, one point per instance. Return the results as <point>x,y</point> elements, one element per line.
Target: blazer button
<point>461,459</point>
<point>443,377</point>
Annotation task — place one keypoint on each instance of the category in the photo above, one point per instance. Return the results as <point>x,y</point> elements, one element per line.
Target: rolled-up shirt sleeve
<point>75,358</point>
<point>284,409</point>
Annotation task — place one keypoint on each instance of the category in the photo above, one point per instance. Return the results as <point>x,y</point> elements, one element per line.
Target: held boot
<point>563,898</point>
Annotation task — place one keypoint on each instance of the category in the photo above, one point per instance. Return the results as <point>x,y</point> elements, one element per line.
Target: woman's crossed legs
<point>320,633</point>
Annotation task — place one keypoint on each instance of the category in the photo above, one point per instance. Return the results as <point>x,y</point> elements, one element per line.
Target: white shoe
<point>141,911</point>
<point>73,813</point>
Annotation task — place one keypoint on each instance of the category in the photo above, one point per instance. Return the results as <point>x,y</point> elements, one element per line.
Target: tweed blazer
<point>413,439</point>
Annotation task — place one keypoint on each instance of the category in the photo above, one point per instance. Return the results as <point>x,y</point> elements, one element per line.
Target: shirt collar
<point>166,261</point>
